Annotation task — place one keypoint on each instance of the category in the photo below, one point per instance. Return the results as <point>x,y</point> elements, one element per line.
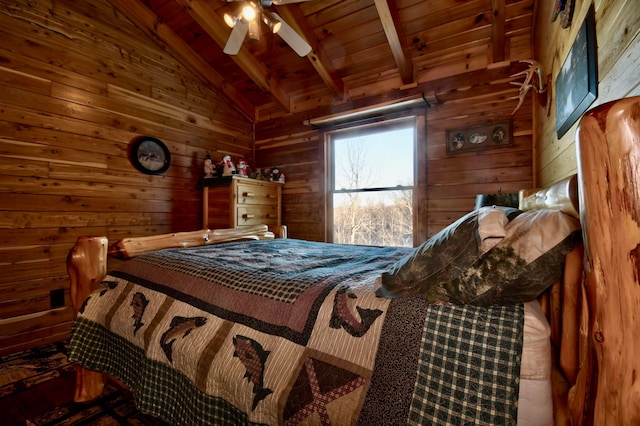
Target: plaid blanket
<point>301,338</point>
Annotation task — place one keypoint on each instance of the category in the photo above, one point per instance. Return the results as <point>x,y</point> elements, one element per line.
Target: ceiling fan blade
<point>236,38</point>
<point>293,39</point>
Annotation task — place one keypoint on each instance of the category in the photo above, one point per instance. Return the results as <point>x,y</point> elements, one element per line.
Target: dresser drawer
<point>239,201</point>
<point>256,194</point>
<point>257,215</point>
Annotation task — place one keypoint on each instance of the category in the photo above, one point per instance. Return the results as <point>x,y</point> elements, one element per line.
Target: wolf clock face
<point>150,155</point>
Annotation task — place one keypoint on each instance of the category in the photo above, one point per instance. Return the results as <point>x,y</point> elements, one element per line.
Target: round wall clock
<point>150,155</point>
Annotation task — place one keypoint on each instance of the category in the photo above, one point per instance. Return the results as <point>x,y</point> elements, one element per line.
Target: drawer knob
<point>248,194</point>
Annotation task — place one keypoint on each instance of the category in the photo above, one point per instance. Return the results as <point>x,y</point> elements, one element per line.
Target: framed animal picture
<point>479,137</point>
<point>577,82</point>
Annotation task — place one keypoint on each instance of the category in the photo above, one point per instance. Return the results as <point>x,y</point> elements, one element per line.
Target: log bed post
<point>608,144</point>
<point>87,266</point>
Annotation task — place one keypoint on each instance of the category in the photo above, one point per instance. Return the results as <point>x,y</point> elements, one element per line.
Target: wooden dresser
<point>238,201</point>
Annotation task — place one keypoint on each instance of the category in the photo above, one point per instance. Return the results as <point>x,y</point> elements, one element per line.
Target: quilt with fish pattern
<point>291,332</point>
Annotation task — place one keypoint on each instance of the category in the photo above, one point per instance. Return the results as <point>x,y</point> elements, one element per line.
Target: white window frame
<point>363,130</point>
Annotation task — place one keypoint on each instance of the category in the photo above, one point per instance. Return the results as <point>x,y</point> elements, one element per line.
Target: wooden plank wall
<point>449,183</point>
<point>78,82</point>
<point>618,53</point>
<point>297,151</point>
<point>454,181</point>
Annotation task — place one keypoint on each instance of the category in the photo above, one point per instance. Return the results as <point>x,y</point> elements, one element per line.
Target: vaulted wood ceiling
<point>363,51</point>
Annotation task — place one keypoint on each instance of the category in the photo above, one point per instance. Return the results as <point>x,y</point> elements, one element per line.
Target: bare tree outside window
<point>373,188</point>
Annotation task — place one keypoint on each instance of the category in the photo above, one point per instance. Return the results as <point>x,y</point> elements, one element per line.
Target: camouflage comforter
<point>289,332</point>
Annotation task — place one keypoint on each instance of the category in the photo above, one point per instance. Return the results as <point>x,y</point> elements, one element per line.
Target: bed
<point>491,321</point>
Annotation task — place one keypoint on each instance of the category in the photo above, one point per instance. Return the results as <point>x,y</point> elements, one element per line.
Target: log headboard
<point>596,324</point>
<point>595,321</point>
<point>608,147</point>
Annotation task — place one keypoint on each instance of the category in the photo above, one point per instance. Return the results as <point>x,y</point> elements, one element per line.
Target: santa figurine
<point>242,168</point>
<point>228,169</point>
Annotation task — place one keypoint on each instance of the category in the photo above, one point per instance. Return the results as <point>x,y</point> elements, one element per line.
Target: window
<point>372,175</point>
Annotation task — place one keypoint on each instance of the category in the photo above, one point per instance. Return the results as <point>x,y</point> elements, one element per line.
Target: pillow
<point>444,255</point>
<point>491,223</point>
<point>536,344</point>
<point>451,268</point>
<point>528,260</point>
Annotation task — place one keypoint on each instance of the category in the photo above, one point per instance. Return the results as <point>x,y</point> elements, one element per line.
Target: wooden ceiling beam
<point>145,19</point>
<point>318,57</point>
<point>214,25</point>
<point>497,31</point>
<point>395,36</point>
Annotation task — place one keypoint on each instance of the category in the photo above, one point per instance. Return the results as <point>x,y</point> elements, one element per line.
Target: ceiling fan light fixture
<point>246,25</point>
<point>276,26</point>
<point>249,11</point>
<point>271,21</point>
<point>230,20</point>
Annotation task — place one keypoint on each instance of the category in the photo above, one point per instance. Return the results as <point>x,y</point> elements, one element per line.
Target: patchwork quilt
<point>290,332</point>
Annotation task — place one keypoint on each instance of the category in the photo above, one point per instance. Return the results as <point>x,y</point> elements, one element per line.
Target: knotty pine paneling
<point>618,55</point>
<point>78,82</point>
<point>454,180</point>
<point>301,159</point>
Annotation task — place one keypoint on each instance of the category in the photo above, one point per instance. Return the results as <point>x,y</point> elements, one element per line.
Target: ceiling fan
<point>247,22</point>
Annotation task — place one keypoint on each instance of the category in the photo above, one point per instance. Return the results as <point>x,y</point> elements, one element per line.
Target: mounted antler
<point>540,86</point>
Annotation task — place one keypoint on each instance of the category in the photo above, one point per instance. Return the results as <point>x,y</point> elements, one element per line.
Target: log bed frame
<point>594,311</point>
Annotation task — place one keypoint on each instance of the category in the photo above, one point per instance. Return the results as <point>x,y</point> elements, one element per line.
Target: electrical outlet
<point>57,297</point>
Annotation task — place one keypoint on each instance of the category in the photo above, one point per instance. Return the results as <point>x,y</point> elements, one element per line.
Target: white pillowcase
<point>535,401</point>
<point>491,224</point>
<point>536,345</point>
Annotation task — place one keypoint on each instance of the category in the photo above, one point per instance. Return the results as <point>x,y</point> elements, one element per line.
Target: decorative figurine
<point>209,169</point>
<point>242,168</point>
<point>265,174</point>
<point>228,168</point>
<point>276,175</point>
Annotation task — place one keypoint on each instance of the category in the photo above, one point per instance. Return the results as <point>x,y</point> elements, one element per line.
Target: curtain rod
<point>373,113</point>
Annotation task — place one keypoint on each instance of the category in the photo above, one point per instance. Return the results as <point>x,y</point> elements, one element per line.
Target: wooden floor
<point>16,409</point>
